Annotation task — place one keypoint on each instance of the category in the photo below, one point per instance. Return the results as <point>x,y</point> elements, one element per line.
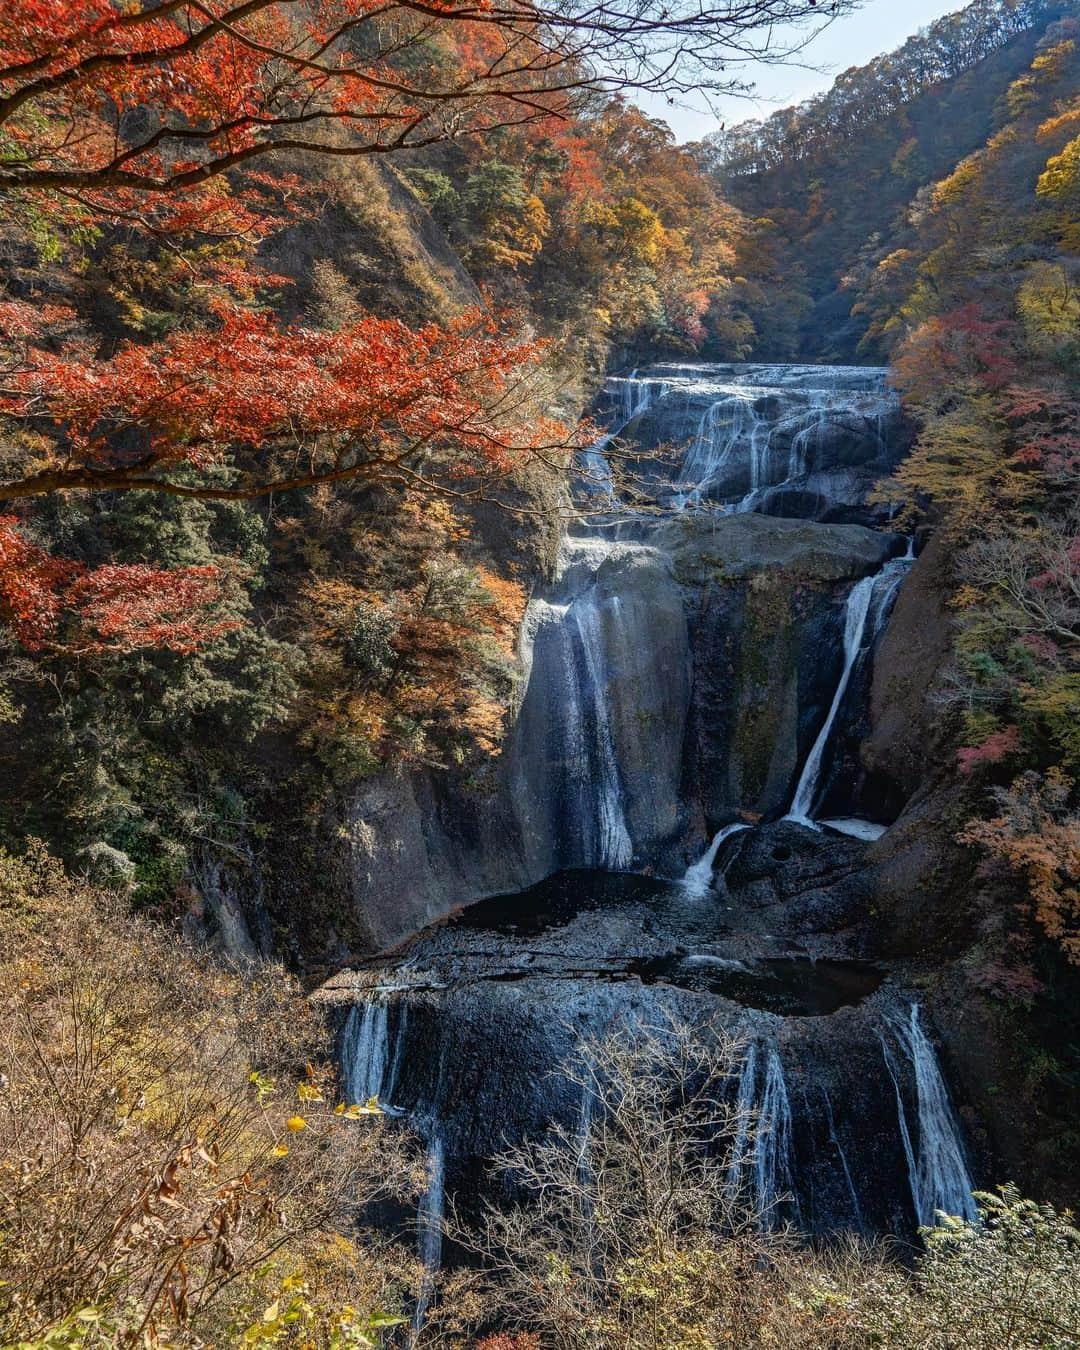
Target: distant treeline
<point>864,95</point>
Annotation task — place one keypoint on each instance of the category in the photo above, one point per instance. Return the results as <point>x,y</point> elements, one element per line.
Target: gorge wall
<point>706,664</point>
<point>678,669</point>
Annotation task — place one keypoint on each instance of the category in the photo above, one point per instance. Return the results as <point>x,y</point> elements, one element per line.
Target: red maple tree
<point>158,118</point>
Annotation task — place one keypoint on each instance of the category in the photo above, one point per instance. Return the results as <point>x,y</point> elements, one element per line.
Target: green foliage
<point>439,195</point>
<point>1012,1280</point>
<point>368,646</point>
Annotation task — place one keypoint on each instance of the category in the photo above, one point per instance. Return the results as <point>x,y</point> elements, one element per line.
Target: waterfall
<point>762,1146</point>
<point>937,1171</point>
<point>636,398</point>
<point>855,612</point>
<point>724,425</point>
<point>429,1227</point>
<point>698,876</point>
<point>744,1105</point>
<point>773,1172</point>
<point>799,442</point>
<point>871,594</point>
<point>731,419</point>
<point>612,846</point>
<point>834,1139</point>
<point>572,675</point>
<point>366,1044</point>
<point>371,1053</point>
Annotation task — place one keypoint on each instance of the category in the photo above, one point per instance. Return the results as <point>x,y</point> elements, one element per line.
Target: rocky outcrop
<point>683,675</point>
<point>805,441</point>
<point>901,746</point>
<point>767,649</point>
<point>414,847</point>
<point>372,244</point>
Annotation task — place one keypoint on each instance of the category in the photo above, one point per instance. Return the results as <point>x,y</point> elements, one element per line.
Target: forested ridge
<point>167,652</point>
<point>835,184</point>
<point>303,310</point>
<point>924,212</point>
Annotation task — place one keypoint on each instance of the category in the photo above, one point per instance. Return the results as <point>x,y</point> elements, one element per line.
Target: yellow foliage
<point>1060,180</point>
<point>1049,303</point>
<point>951,188</point>
<point>137,1132</point>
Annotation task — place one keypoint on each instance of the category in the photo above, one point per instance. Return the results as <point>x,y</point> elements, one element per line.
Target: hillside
<point>523,827</point>
<point>834,184</point>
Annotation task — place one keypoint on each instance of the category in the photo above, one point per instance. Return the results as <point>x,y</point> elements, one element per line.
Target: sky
<point>880,26</point>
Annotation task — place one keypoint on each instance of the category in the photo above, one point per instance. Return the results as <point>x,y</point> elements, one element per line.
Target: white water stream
<point>698,876</point>
<point>870,595</point>
<point>937,1170</point>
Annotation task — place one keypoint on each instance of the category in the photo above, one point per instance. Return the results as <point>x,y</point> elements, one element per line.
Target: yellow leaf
<point>296,1124</point>
<point>279,1151</point>
<point>370,1108</point>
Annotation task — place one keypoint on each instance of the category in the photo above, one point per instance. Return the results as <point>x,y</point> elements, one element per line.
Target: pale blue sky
<point>879,26</point>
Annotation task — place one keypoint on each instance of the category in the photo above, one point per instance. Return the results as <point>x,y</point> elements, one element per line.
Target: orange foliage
<point>55,604</point>
<point>1037,837</point>
<point>432,410</point>
<point>249,384</point>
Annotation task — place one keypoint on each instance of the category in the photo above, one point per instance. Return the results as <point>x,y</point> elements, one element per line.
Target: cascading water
<point>429,1228</point>
<point>752,429</point>
<point>772,1164</point>
<point>632,398</point>
<point>727,426</point>
<point>637,397</point>
<point>869,599</point>
<point>855,612</point>
<point>761,1168</point>
<point>845,1167</point>
<point>570,649</point>
<point>745,1097</point>
<point>612,846</point>
<point>936,1167</point>
<point>607,754</point>
<point>698,876</point>
<point>372,1046</point>
<point>366,1045</point>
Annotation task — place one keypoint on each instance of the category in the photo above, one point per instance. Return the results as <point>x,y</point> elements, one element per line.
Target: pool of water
<point>623,926</point>
<point>564,897</point>
<point>790,986</point>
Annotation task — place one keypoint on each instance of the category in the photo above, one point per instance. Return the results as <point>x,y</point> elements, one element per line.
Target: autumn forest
<point>539,678</point>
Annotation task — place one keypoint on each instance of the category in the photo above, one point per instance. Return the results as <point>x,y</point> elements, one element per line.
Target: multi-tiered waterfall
<point>695,688</point>
<point>601,751</point>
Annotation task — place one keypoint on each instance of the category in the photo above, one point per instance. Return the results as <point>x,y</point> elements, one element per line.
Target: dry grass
<point>173,1165</point>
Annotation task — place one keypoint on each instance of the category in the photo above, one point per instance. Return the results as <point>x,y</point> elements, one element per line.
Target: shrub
<point>174,1169</point>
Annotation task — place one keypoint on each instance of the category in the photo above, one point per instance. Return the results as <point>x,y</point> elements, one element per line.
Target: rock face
<point>418,846</point>
<point>470,1029</point>
<point>669,685</point>
<point>681,665</point>
<point>767,650</point>
<point>901,737</point>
